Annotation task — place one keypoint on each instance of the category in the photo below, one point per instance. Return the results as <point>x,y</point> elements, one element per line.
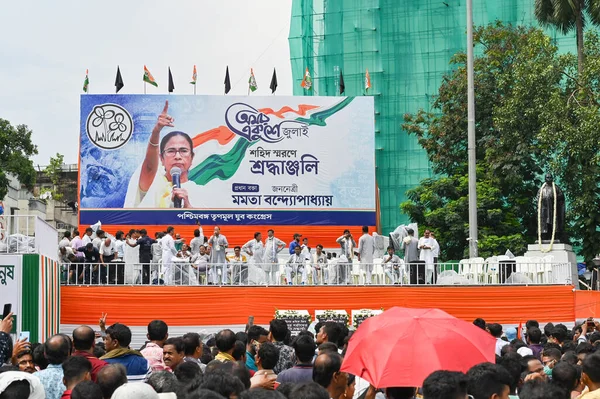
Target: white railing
<point>183,273</point>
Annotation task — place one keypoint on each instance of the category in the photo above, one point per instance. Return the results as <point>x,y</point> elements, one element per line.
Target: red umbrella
<point>402,346</point>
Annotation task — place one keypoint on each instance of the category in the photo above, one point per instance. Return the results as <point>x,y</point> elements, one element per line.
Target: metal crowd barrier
<point>182,273</point>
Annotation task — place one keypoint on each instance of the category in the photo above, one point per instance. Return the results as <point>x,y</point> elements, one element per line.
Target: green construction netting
<point>406,46</point>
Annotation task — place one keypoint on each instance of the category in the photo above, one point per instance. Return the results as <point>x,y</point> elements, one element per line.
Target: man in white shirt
<point>219,244</point>
<point>319,266</point>
<point>347,244</point>
<point>107,254</point>
<point>366,249</point>
<point>200,263</point>
<point>273,246</point>
<point>197,241</point>
<point>296,264</point>
<point>426,255</point>
<point>87,237</point>
<point>332,268</point>
<point>305,249</point>
<point>66,240</point>
<point>98,240</point>
<point>392,266</point>
<point>239,267</point>
<point>256,249</point>
<point>435,251</point>
<point>168,253</point>
<point>76,242</point>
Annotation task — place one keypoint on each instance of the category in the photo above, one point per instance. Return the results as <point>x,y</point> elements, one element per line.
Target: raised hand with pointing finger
<point>164,119</point>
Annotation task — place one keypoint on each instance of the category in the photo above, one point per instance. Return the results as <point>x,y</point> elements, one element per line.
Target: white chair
<point>378,274</point>
<point>356,272</point>
<point>492,276</point>
<point>464,267</point>
<point>524,266</point>
<point>478,269</point>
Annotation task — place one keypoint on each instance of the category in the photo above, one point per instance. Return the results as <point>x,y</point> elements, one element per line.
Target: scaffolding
<point>406,45</point>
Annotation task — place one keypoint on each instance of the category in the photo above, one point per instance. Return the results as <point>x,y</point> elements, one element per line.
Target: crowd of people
<point>135,258</point>
<point>260,363</point>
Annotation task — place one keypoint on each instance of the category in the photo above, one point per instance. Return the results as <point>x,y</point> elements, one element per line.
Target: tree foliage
<point>16,148</point>
<point>516,73</point>
<point>54,171</point>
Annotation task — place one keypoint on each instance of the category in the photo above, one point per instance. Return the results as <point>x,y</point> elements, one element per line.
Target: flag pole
<point>144,87</point>
<point>195,83</point>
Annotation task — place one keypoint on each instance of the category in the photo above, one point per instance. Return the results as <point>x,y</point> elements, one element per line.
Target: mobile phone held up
<point>7,310</point>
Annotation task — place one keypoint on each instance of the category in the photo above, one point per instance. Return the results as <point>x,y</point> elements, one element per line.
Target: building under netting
<point>406,45</point>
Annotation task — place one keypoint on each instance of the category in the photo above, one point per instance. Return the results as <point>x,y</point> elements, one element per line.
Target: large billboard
<point>179,159</point>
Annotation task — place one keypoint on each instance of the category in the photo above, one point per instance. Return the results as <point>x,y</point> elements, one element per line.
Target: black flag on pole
<point>227,81</point>
<point>342,85</point>
<point>119,80</point>
<point>273,85</point>
<point>171,85</point>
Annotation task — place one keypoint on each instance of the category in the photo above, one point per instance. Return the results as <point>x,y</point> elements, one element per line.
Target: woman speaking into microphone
<point>173,156</point>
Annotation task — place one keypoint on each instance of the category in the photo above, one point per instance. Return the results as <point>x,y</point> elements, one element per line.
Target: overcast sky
<point>48,45</point>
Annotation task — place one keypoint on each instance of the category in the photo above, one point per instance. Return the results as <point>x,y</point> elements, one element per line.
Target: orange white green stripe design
<point>367,80</point>
<point>307,80</point>
<point>252,86</point>
<point>148,78</point>
<point>194,76</point>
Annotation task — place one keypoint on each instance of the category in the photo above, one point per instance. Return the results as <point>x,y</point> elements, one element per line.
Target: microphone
<point>176,177</point>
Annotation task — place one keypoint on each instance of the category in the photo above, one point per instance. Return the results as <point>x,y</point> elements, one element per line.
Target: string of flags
<point>148,78</point>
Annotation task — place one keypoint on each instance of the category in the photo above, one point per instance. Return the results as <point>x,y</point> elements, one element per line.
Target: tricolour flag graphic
<point>194,76</point>
<point>367,80</point>
<point>148,78</point>
<point>86,82</point>
<point>306,81</point>
<point>252,81</point>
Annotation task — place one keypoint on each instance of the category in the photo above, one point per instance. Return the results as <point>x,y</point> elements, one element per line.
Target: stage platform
<point>228,306</point>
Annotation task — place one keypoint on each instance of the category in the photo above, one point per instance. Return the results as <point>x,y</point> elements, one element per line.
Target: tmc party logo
<point>253,125</point>
<point>109,126</point>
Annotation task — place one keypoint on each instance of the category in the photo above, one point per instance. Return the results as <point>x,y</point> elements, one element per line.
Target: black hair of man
<point>518,344</point>
<point>241,336</point>
<point>83,338</point>
<point>565,376</point>
<point>365,229</point>
<point>200,393</point>
<point>177,343</point>
<point>99,350</point>
<point>163,381</point>
<point>157,330</point>
<point>39,359</point>
<point>16,390</point>
<point>552,345</point>
<point>111,377</point>
<point>287,387</point>
<point>495,329</point>
<point>269,355</point>
<point>541,390</point>
<point>506,349</point>
<point>568,346</point>
<point>570,357</point>
<point>225,340</point>
<point>334,331</point>
<point>585,347</point>
<point>325,366</point>
<point>595,337</point>
<point>532,323</point>
<point>548,329</point>
<point>400,392</point>
<point>187,372</point>
<point>512,363</point>
<point>310,390</point>
<point>74,369</point>
<point>553,353</point>
<point>591,367</point>
<point>445,385</point>
<point>260,393</point>
<point>535,335</point>
<point>223,383</point>
<point>190,342</point>
<point>237,369</point>
<point>558,334</point>
<point>304,347</point>
<point>121,333</point>
<point>318,327</point>
<point>239,350</point>
<point>197,233</point>
<point>86,390</point>
<point>487,379</point>
<point>57,349</point>
<point>4,369</point>
<point>326,347</point>
<point>278,329</point>
<point>170,229</point>
<point>255,332</point>
<point>479,322</point>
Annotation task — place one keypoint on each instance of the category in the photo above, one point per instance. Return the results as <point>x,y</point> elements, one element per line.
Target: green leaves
<point>16,148</point>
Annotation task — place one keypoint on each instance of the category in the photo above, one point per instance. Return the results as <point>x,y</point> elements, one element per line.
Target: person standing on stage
<point>347,245</point>
<point>273,246</point>
<point>366,249</point>
<point>410,246</point>
<point>426,255</point>
<point>319,266</point>
<point>168,253</point>
<point>197,241</point>
<point>145,243</point>
<point>296,264</point>
<point>219,244</point>
<point>256,249</point>
<point>295,242</point>
<point>435,251</point>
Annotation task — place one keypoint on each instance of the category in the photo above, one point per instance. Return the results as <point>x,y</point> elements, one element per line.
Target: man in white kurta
<point>273,246</point>
<point>256,249</point>
<point>426,255</point>
<point>168,253</point>
<point>219,244</point>
<point>295,265</point>
<point>344,269</point>
<point>366,249</point>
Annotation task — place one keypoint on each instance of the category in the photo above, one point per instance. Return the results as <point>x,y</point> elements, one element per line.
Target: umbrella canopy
<point>402,346</point>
